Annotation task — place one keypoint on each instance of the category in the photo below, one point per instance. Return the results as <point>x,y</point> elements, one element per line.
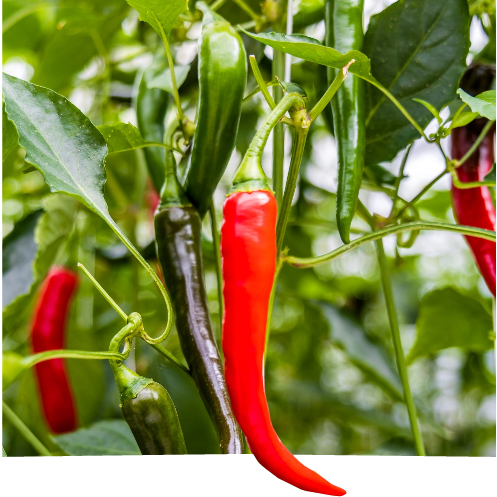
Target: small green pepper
<point>222,75</point>
<point>344,32</point>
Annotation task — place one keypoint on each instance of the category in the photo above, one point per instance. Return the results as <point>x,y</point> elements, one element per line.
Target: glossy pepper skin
<point>344,32</point>
<point>151,107</point>
<point>48,332</point>
<point>150,413</point>
<point>178,237</point>
<point>474,206</point>
<point>248,249</point>
<point>222,75</point>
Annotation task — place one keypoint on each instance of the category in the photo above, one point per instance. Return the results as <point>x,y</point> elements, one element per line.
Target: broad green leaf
<point>430,107</point>
<point>448,319</point>
<point>160,14</point>
<point>463,118</point>
<point>104,438</point>
<point>307,48</point>
<point>490,176</point>
<point>366,355</point>
<point>121,137</point>
<point>10,139</point>
<point>418,50</point>
<point>483,104</point>
<point>164,82</point>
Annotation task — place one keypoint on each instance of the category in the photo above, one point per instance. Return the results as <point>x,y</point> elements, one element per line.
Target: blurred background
<point>331,379</point>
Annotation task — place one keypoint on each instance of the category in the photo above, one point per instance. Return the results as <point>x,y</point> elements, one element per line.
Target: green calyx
<point>128,382</point>
<point>210,16</point>
<point>172,193</point>
<point>250,175</point>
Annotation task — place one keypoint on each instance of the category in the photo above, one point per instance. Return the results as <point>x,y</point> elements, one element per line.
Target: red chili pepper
<point>248,249</point>
<point>48,333</point>
<point>474,206</point>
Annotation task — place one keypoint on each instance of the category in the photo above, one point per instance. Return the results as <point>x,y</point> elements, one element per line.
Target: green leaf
<point>490,176</point>
<point>483,104</point>
<point>307,48</point>
<point>463,118</point>
<point>121,137</point>
<point>10,140</point>
<point>430,107</point>
<point>160,14</point>
<point>164,82</point>
<point>448,319</point>
<point>417,50</point>
<point>104,438</point>
<point>366,355</point>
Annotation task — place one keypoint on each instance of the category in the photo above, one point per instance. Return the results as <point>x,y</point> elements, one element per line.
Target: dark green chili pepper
<point>178,237</point>
<point>150,413</point>
<point>343,20</point>
<point>151,107</point>
<point>222,75</point>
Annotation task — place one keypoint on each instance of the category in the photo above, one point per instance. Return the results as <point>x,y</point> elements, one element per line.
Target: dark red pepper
<point>48,332</point>
<point>474,206</point>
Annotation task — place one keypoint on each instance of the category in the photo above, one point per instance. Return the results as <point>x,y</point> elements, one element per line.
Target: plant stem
<point>248,97</point>
<point>170,356</point>
<point>279,263</point>
<point>107,297</point>
<point>30,361</point>
<point>261,82</point>
<point>217,4</point>
<point>22,13</point>
<point>475,145</point>
<point>291,183</point>
<point>25,431</point>
<point>330,92</point>
<point>390,230</point>
<point>278,66</point>
<point>219,269</point>
<point>247,9</point>
<point>399,353</point>
<point>400,177</point>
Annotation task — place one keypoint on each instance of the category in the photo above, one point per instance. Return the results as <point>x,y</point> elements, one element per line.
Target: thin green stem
<point>219,269</point>
<point>456,115</point>
<point>155,144</point>
<point>248,97</point>
<point>217,4</point>
<point>30,437</point>
<point>399,353</point>
<point>106,296</point>
<point>247,9</point>
<point>170,356</point>
<point>260,81</point>
<point>279,264</point>
<point>245,25</point>
<point>399,179</point>
<point>30,361</point>
<point>390,230</point>
<point>291,183</point>
<point>278,67</point>
<point>22,13</point>
<point>330,92</point>
<point>475,145</point>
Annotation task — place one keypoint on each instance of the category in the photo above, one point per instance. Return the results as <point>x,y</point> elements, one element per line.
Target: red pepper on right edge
<point>474,206</point>
<point>248,249</point>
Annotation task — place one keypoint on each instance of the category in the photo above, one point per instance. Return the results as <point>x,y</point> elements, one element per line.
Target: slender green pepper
<point>222,75</point>
<point>178,237</point>
<point>151,106</point>
<point>344,32</point>
<point>148,409</point>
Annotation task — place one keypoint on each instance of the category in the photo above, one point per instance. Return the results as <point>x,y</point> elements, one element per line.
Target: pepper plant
<point>126,123</point>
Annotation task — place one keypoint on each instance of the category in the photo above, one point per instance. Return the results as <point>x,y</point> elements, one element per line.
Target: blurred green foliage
<point>331,379</point>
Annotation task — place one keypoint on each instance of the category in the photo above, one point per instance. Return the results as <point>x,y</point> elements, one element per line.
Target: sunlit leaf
<point>483,104</point>
<point>10,139</point>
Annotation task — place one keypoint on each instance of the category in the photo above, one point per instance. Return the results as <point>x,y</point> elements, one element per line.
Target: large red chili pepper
<point>48,333</point>
<point>248,249</point>
<point>474,206</point>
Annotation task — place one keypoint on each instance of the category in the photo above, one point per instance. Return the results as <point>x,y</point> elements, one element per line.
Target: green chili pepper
<point>343,20</point>
<point>151,107</point>
<point>222,74</point>
<point>178,237</point>
<point>150,413</point>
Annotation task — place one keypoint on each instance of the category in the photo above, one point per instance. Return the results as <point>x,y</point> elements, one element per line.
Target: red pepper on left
<point>48,332</point>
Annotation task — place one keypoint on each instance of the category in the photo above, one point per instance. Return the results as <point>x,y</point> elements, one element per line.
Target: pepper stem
<point>250,175</point>
<point>172,193</point>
